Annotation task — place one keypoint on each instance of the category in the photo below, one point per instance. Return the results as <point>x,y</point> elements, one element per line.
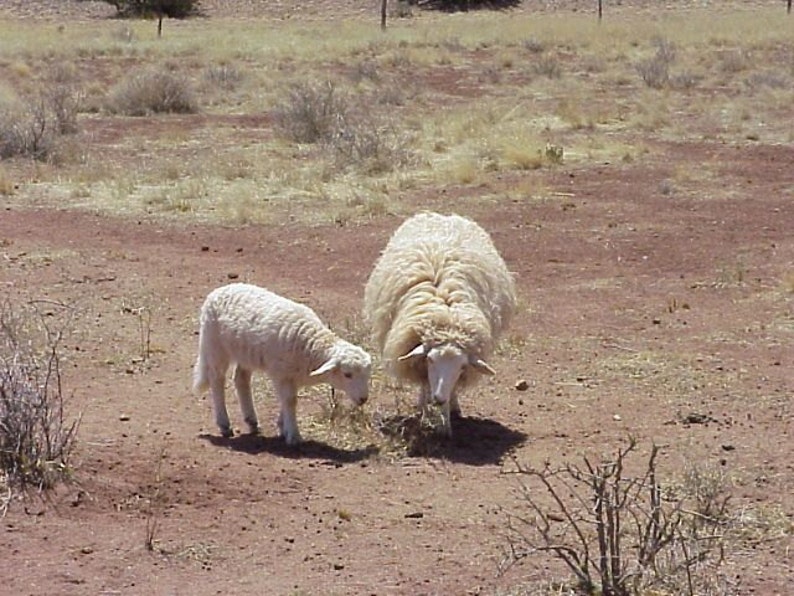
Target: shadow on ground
<point>474,441</point>
<point>255,444</point>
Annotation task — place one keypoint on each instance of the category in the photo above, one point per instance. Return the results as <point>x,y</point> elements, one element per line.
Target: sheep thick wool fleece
<point>440,280</point>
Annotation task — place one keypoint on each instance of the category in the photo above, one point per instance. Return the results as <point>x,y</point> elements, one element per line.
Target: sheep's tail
<point>200,372</point>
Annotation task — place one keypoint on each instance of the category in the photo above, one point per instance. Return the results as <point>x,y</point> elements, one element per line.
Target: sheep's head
<point>347,370</point>
<point>446,364</point>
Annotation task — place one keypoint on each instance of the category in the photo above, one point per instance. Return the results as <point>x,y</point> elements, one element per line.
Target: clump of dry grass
<point>223,75</point>
<point>152,91</point>
<point>401,432</point>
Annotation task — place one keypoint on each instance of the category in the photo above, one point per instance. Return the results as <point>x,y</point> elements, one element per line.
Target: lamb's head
<point>348,369</point>
<point>446,364</point>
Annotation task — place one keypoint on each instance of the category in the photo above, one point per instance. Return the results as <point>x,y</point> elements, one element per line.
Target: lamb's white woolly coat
<point>258,330</point>
<point>439,281</point>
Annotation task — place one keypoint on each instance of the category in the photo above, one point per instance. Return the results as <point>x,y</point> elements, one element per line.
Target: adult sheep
<point>261,331</point>
<point>438,299</point>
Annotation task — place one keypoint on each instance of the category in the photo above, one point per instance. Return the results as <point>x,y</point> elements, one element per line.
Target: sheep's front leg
<point>242,383</point>
<point>287,418</point>
<point>218,395</point>
<point>454,407</point>
<point>446,422</point>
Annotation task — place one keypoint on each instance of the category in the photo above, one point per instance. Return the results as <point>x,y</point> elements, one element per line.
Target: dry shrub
<point>33,125</point>
<point>343,125</point>
<point>620,534</point>
<point>159,90</point>
<point>311,112</point>
<point>655,71</point>
<point>36,439</point>
<point>28,130</point>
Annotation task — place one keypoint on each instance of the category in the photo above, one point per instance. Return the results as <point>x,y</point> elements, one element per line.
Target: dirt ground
<point>658,312</point>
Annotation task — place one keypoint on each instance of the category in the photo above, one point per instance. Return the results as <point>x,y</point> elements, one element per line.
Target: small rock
<point>339,566</point>
<point>86,550</point>
<point>414,515</point>
<point>728,447</point>
<point>522,385</point>
<point>616,417</point>
<point>124,418</point>
<point>232,275</point>
<point>205,248</point>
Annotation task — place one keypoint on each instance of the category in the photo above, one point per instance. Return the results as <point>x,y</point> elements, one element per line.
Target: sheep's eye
<point>348,375</point>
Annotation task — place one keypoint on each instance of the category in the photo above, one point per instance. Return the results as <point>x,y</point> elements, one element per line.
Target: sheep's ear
<point>482,366</point>
<point>327,366</point>
<point>417,351</point>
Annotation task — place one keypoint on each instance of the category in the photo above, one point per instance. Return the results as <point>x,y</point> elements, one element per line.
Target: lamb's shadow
<point>475,441</point>
<point>254,444</point>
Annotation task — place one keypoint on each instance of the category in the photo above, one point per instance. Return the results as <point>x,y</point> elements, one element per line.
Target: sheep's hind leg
<point>218,394</point>
<point>242,383</point>
<point>287,418</point>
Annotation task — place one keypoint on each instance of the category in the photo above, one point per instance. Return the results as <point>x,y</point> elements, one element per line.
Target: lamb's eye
<point>348,375</point>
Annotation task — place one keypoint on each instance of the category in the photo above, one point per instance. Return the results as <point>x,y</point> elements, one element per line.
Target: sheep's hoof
<point>253,427</point>
<point>226,431</point>
<point>292,440</point>
<point>455,415</point>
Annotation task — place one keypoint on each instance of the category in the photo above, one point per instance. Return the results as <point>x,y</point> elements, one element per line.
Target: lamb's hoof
<point>226,432</point>
<point>253,427</point>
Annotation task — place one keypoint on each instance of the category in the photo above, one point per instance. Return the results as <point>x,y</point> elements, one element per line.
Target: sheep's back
<point>449,260</point>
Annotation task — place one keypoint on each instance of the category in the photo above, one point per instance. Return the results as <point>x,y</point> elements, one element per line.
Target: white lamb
<point>437,300</point>
<point>259,330</point>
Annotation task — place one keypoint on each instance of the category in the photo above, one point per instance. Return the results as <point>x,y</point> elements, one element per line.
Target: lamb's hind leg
<point>242,383</point>
<point>218,395</point>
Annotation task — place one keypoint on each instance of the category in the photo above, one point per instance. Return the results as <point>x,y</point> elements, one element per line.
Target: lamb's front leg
<point>287,419</point>
<point>242,383</point>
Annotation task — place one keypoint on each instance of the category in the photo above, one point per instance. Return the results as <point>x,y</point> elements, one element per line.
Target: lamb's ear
<point>327,366</point>
<point>417,351</point>
<point>482,366</point>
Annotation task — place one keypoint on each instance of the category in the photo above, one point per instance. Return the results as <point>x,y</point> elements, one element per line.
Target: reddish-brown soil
<point>644,309</point>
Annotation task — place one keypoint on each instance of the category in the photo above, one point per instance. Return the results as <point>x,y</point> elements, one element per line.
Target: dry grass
<point>535,75</point>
